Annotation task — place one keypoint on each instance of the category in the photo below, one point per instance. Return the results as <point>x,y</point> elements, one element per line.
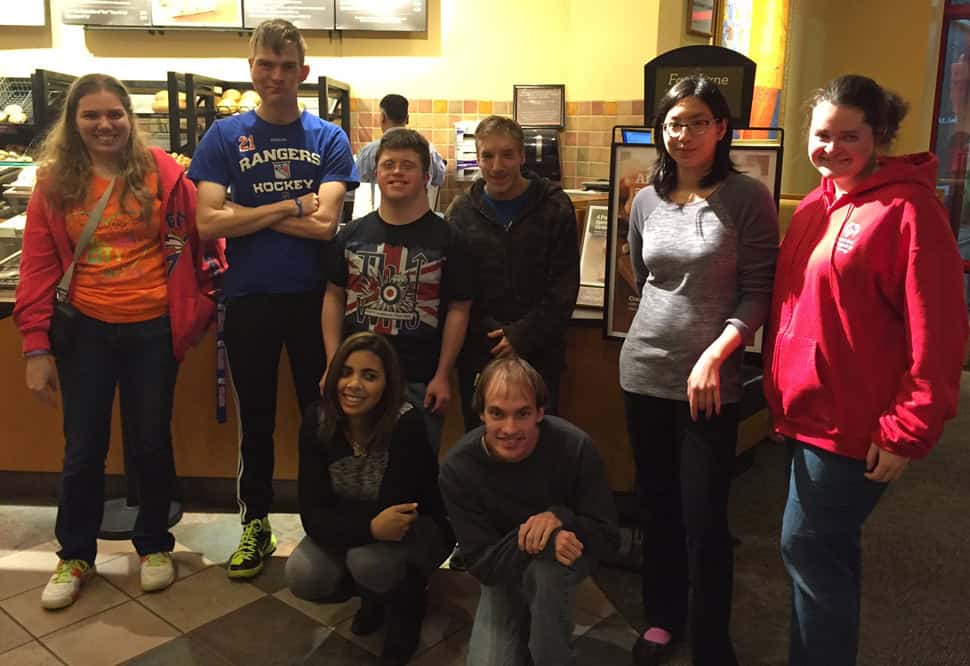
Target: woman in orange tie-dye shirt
<point>137,308</point>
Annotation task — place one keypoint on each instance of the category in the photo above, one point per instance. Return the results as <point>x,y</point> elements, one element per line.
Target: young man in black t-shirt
<point>403,272</point>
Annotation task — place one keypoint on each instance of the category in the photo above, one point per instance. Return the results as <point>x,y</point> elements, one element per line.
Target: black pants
<point>466,387</point>
<point>257,327</point>
<point>137,359</point>
<point>684,478</point>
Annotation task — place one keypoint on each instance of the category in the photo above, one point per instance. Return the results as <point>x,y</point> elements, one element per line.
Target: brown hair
<point>406,139</point>
<point>883,109</point>
<point>277,34</point>
<point>500,125</point>
<point>511,370</point>
<point>65,166</point>
<point>385,414</point>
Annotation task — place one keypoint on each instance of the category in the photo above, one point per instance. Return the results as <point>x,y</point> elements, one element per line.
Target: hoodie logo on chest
<point>848,237</point>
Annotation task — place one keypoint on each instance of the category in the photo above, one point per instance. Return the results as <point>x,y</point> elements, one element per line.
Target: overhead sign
<point>304,14</point>
<point>29,12</point>
<point>403,15</point>
<point>107,12</point>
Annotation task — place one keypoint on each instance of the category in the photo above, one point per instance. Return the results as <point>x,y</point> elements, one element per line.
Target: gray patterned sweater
<point>699,267</point>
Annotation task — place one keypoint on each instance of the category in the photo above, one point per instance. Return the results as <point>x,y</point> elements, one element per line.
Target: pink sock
<point>657,635</point>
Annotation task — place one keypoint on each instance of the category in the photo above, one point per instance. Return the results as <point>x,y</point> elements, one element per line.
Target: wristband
<point>299,207</point>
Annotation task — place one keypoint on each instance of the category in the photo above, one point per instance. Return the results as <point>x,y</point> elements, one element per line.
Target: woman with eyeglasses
<point>862,368</point>
<point>703,240</point>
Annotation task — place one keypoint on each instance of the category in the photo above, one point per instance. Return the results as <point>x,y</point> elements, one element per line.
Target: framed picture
<point>539,105</point>
<point>592,258</point>
<point>701,17</point>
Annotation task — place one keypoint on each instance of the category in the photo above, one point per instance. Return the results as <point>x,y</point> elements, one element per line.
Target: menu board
<point>197,13</point>
<point>29,12</point>
<point>107,12</point>
<point>403,15</point>
<point>304,14</point>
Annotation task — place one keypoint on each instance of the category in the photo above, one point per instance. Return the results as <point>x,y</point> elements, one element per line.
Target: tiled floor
<point>206,619</point>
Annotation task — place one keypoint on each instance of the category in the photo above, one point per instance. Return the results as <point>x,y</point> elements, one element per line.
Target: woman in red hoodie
<point>869,328</point>
<point>136,309</point>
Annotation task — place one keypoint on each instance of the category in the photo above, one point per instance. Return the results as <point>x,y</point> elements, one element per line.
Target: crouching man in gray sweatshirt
<point>532,510</point>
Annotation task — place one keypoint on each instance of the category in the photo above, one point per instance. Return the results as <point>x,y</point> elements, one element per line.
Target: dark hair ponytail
<point>882,109</point>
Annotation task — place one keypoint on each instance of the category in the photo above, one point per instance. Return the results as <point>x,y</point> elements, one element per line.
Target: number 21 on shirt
<point>246,144</point>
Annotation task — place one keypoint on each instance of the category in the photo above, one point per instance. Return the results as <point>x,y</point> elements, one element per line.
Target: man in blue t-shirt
<point>286,173</point>
<point>404,272</point>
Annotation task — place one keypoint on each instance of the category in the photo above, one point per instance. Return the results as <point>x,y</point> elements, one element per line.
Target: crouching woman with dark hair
<point>369,498</point>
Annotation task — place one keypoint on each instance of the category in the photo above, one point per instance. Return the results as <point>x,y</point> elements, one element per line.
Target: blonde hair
<point>65,166</point>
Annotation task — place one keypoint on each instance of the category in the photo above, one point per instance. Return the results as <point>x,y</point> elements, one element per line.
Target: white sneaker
<point>65,585</point>
<point>157,572</point>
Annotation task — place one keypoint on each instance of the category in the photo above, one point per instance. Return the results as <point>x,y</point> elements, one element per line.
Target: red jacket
<point>869,324</point>
<point>48,251</point>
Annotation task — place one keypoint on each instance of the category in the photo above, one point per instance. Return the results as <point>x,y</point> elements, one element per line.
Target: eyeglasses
<point>697,127</point>
<point>403,165</point>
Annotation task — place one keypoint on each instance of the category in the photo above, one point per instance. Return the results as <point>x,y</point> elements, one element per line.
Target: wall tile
<point>366,119</point>
<point>609,108</point>
<point>440,121</point>
<point>638,107</point>
<point>582,154</point>
<point>485,107</point>
<point>571,139</point>
<point>355,104</point>
<point>502,108</point>
<point>583,138</point>
<point>440,137</point>
<point>572,108</point>
<point>470,106</point>
<point>597,108</point>
<point>454,106</point>
<point>423,106</point>
<point>584,122</point>
<point>439,106</point>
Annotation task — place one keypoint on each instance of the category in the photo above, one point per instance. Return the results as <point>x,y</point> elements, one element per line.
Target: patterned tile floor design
<point>206,619</point>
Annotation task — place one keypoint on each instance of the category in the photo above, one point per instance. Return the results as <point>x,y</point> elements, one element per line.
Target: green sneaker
<point>65,585</point>
<point>256,544</point>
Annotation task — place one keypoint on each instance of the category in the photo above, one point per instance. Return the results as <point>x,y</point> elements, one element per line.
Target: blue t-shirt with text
<point>262,163</point>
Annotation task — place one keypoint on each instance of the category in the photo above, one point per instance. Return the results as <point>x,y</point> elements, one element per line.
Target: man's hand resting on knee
<point>535,532</point>
<point>568,548</point>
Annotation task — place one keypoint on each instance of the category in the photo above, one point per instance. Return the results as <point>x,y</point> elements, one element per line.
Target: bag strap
<point>94,218</point>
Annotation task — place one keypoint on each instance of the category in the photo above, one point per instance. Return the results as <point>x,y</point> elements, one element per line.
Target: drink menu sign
<point>107,12</point>
<point>404,15</point>
<point>304,14</point>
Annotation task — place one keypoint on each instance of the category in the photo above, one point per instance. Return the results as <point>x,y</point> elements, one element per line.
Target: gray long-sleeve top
<point>699,267</point>
<point>488,499</point>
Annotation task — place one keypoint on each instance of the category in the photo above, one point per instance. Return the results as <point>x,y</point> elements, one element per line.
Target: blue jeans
<point>433,423</point>
<point>137,359</point>
<point>529,621</point>
<point>828,501</point>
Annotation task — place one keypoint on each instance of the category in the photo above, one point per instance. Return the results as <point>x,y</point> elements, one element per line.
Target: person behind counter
<point>369,500</point>
<point>703,240</point>
<point>521,230</point>
<point>131,322</point>
<point>287,172</point>
<point>869,329</point>
<point>394,116</point>
<point>403,272</point>
<point>527,495</point>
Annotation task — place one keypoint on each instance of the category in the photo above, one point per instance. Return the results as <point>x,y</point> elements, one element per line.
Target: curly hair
<point>65,165</point>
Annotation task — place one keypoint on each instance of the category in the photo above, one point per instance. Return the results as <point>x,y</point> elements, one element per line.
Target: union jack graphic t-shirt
<point>399,281</point>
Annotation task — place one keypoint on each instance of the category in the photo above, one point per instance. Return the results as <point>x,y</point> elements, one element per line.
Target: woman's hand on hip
<point>704,387</point>
<point>42,378</point>
<point>884,466</point>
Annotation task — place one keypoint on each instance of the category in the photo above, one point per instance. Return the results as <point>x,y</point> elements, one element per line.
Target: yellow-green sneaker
<point>257,543</point>
<point>65,585</point>
<point>157,571</point>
